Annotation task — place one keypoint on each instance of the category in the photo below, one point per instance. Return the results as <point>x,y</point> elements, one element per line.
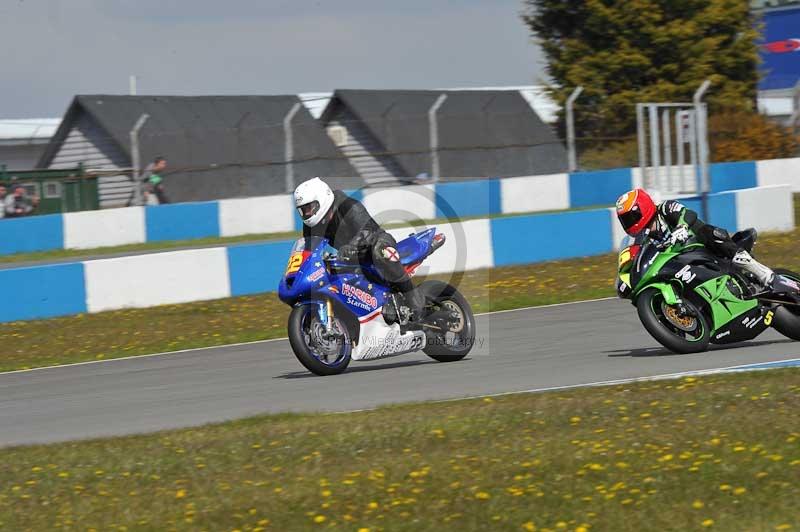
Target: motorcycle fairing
<point>378,339</point>
<point>745,326</point>
<point>725,306</point>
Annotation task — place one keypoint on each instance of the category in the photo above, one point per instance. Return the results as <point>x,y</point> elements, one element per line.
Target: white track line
<point>166,353</point>
<point>666,376</point>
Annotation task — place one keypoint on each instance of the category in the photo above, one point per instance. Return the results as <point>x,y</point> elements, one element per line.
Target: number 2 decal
<point>295,261</point>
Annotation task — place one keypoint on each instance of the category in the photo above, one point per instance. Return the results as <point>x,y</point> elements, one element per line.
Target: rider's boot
<point>746,262</point>
<point>414,299</point>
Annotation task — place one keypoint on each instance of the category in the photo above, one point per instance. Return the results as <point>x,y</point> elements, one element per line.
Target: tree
<point>629,51</point>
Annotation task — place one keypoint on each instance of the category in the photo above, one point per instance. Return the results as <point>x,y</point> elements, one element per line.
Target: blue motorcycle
<point>344,311</point>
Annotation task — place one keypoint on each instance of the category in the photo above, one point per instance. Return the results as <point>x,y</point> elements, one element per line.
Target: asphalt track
<point>515,351</point>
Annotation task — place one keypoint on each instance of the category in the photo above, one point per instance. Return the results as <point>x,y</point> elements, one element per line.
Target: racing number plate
<point>295,261</point>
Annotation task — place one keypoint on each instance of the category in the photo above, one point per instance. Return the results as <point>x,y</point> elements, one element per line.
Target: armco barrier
<point>536,238</point>
<point>779,172</point>
<point>43,292</point>
<point>276,214</point>
<point>194,275</point>
<point>534,193</point>
<point>37,233</point>
<point>598,188</point>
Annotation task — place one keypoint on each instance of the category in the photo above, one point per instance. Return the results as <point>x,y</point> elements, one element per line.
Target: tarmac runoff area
<point>526,350</point>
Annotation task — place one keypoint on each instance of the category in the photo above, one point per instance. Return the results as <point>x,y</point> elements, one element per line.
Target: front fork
<point>325,314</point>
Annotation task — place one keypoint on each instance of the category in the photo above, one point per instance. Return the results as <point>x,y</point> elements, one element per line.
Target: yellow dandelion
<point>707,523</point>
<point>529,526</point>
<point>740,491</point>
<point>319,518</point>
<point>698,504</point>
<point>482,495</point>
<point>180,494</point>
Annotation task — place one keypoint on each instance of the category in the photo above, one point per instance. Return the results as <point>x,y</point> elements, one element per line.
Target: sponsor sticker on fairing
<point>356,295</point>
<point>316,275</point>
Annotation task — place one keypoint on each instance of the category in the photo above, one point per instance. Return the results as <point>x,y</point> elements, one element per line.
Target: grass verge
<point>718,452</point>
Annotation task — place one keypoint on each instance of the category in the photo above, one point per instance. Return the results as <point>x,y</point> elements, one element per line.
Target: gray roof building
<point>483,133</point>
<point>216,146</point>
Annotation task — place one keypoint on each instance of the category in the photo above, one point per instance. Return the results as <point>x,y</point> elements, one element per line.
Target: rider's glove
<point>679,235</point>
<point>348,253</point>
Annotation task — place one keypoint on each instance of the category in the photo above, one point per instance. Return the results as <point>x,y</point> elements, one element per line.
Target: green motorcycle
<point>686,297</point>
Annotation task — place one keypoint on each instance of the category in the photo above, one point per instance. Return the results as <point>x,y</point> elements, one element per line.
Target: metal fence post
<point>572,157</point>
<point>794,121</point>
<point>641,133</point>
<point>136,159</point>
<point>701,135</point>
<point>433,126</point>
<point>679,141</point>
<point>289,146</point>
<point>655,148</point>
<point>667,136</point>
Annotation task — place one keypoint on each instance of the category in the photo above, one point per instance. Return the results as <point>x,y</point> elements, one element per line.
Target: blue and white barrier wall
<point>276,214</point>
<point>202,274</point>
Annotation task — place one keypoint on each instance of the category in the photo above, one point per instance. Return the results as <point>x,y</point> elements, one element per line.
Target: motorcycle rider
<point>350,229</point>
<point>636,212</point>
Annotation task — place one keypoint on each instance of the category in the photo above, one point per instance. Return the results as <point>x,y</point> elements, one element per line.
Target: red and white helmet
<point>635,211</point>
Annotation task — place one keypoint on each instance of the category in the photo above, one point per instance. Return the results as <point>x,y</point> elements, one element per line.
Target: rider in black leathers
<point>355,234</point>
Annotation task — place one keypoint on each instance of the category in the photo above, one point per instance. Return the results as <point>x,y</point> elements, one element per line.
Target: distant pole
<point>666,135</point>
<point>572,157</point>
<point>289,146</point>
<point>680,141</point>
<point>433,126</point>
<point>701,133</point>
<point>136,160</point>
<point>795,120</point>
<point>641,133</point>
<point>655,145</point>
<point>132,85</point>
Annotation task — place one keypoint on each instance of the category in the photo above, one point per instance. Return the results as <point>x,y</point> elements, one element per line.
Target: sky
<point>54,49</point>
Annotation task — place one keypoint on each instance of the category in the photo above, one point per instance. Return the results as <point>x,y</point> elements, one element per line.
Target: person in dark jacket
<point>350,229</point>
<point>636,212</point>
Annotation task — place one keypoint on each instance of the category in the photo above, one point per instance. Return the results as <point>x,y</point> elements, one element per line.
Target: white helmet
<point>313,200</point>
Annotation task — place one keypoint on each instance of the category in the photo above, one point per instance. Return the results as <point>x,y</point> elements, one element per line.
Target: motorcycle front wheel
<point>320,351</point>
<point>679,333</point>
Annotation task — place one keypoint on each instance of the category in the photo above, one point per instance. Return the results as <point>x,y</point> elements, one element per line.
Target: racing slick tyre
<point>457,340</point>
<point>319,352</point>
<point>688,333</point>
<point>787,319</point>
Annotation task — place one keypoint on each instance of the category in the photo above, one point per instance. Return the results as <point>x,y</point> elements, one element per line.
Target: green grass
<point>713,453</point>
<point>57,254</point>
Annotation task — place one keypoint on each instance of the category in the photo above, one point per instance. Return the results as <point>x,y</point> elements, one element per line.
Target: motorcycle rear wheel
<point>456,343</point>
<point>311,349</point>
<point>691,335</point>
<point>787,319</point>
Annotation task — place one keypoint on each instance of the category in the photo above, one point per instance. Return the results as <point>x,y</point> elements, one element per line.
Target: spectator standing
<point>3,194</point>
<point>19,204</point>
<point>154,182</point>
